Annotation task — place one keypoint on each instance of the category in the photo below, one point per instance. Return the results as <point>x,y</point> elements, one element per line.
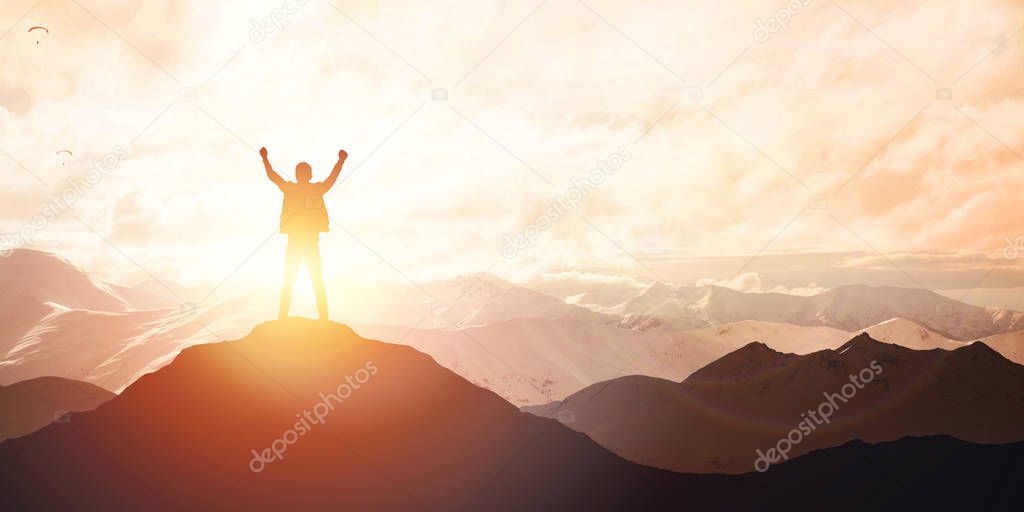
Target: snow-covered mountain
<point>526,361</point>
<point>34,284</point>
<point>908,334</point>
<point>787,338</point>
<point>483,299</point>
<point>112,350</point>
<point>857,307</point>
<point>591,290</point>
<point>850,308</point>
<point>42,277</point>
<point>55,320</point>
<point>534,361</point>
<point>463,301</point>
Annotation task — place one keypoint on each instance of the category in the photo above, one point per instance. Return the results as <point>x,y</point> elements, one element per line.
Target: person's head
<point>303,172</point>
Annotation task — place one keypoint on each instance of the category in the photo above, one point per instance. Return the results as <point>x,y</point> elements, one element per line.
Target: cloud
<point>822,108</point>
<point>15,100</point>
<point>750,282</point>
<point>947,261</point>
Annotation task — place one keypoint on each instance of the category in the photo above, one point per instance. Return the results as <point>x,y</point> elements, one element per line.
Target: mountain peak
<point>293,341</point>
<point>300,408</point>
<point>980,349</point>
<point>479,284</point>
<point>657,286</point>
<point>46,277</point>
<point>746,362</point>
<point>653,294</point>
<point>860,341</point>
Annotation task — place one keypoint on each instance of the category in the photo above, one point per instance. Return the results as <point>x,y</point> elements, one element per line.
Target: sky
<point>764,145</point>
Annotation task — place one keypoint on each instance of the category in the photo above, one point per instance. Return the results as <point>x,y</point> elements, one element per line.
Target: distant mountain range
<point>528,346</point>
<point>55,320</point>
<point>396,431</point>
<point>533,361</point>
<point>850,308</point>
<point>751,399</point>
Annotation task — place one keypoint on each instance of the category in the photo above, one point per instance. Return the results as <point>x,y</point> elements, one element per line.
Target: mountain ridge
<point>750,398</point>
<point>28,405</point>
<point>411,436</point>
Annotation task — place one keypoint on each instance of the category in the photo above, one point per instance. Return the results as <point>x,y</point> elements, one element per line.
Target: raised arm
<point>275,177</point>
<point>329,182</point>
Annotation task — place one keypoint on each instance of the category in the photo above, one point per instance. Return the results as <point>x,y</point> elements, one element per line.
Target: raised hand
<point>263,153</point>
<point>329,182</point>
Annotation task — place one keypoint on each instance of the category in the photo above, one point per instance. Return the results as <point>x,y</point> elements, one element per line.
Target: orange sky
<point>825,146</point>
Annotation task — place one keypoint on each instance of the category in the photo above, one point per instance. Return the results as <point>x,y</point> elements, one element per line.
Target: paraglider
<point>38,28</point>
<point>69,155</point>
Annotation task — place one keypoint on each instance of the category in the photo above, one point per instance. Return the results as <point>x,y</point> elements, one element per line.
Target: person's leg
<point>292,260</point>
<point>316,276</point>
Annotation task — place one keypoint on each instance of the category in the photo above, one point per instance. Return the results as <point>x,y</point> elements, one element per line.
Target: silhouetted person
<point>303,218</point>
